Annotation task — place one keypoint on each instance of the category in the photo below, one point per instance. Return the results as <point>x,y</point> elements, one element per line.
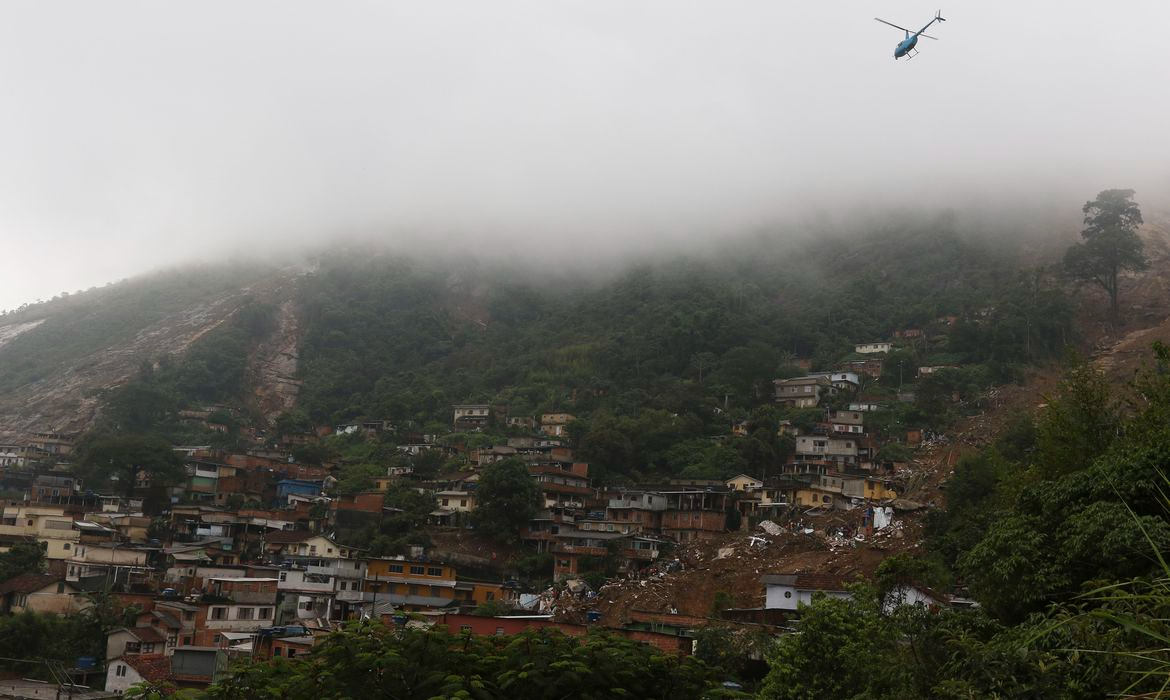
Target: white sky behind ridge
<point>140,134</point>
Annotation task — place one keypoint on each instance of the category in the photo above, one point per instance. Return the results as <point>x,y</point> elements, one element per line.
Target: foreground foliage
<point>369,660</point>
<point>1065,550</point>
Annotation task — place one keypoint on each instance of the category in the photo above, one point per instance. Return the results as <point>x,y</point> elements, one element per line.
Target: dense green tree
<point>1013,570</point>
<point>355,478</point>
<point>293,422</point>
<point>140,407</point>
<point>39,638</point>
<point>1111,245</point>
<point>313,453</point>
<point>120,458</point>
<point>368,660</point>
<point>1079,423</point>
<point>506,499</point>
<point>22,558</point>
<point>843,650</point>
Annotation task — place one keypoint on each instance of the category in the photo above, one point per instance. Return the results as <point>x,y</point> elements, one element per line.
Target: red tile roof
<point>148,635</point>
<point>152,667</point>
<point>28,583</point>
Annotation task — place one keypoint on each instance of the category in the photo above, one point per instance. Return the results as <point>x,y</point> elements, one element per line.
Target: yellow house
<point>877,490</point>
<point>302,543</point>
<point>479,592</point>
<point>811,495</point>
<point>554,424</point>
<point>418,585</point>
<point>743,482</point>
<point>49,524</point>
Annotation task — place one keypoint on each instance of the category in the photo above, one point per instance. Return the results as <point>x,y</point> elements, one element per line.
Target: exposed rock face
<point>68,399</point>
<point>10,331</point>
<point>272,367</point>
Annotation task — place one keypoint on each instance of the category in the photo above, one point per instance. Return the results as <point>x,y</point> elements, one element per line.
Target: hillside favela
<point>584,351</point>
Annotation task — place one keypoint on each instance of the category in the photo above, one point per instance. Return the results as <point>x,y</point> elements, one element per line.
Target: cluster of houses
<point>247,559</point>
<point>207,582</point>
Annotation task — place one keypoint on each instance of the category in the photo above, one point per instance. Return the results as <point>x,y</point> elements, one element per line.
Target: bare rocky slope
<point>62,393</point>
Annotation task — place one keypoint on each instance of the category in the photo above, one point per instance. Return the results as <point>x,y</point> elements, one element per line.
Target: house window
<point>67,546</point>
<point>490,596</point>
<point>61,587</point>
<point>499,631</point>
<point>396,568</point>
<point>133,647</point>
<point>291,653</point>
<point>329,550</point>
<point>186,641</point>
<point>219,613</point>
<point>341,586</point>
<point>417,570</point>
<point>121,671</point>
<point>283,575</point>
<point>148,648</point>
<point>434,571</point>
<point>276,652</point>
<point>312,549</point>
<point>188,615</point>
<point>264,613</point>
<point>244,614</point>
<point>444,502</point>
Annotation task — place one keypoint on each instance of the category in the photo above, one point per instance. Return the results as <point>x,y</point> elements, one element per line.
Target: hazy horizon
<point>140,135</point>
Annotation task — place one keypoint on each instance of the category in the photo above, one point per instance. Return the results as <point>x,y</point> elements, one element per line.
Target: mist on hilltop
<point>579,135</point>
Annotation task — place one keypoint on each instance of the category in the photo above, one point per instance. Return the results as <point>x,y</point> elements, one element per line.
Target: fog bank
<point>140,134</point>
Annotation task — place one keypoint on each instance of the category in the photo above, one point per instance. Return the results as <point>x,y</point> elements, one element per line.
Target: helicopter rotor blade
<point>927,36</point>
<point>893,25</point>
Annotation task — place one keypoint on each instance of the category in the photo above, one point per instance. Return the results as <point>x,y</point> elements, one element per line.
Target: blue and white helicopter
<point>906,46</point>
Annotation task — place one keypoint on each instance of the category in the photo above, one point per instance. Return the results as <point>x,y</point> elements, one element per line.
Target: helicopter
<point>906,46</point>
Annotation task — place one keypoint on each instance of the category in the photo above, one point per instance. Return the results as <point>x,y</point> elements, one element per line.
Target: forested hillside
<point>389,337</point>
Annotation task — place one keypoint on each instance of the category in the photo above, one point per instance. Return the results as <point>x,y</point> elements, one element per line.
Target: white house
<point>871,348</point>
<point>789,591</point>
<point>912,595</point>
<point>124,672</point>
<point>843,380</point>
<point>817,448</point>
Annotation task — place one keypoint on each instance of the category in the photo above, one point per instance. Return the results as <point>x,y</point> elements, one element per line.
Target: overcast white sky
<point>140,134</point>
